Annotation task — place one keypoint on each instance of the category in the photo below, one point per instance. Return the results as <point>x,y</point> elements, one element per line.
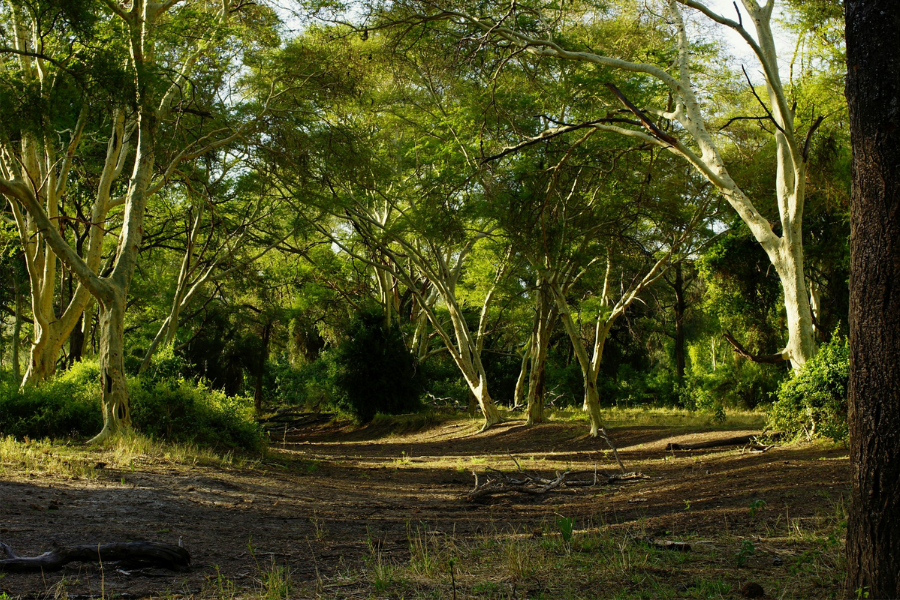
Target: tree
<point>873,89</point>
<point>680,123</point>
<point>167,52</point>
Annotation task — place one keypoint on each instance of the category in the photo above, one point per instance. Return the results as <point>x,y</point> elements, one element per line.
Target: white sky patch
<point>737,47</point>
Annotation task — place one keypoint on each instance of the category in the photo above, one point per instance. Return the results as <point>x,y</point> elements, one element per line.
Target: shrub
<point>163,407</point>
<point>65,406</point>
<point>814,400</point>
<point>184,411</point>
<point>374,372</point>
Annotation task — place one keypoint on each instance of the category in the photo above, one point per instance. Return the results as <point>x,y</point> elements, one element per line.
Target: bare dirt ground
<point>326,496</point>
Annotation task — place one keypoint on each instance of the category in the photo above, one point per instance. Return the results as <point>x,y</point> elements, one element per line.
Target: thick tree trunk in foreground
<point>873,94</point>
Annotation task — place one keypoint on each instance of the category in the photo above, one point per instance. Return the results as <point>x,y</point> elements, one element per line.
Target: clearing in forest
<point>335,511</point>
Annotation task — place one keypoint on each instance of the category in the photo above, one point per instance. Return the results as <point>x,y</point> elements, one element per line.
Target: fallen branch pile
<point>143,553</point>
<point>524,482</point>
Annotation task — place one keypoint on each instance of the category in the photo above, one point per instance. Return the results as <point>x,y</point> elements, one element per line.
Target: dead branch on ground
<point>525,482</point>
<point>144,553</point>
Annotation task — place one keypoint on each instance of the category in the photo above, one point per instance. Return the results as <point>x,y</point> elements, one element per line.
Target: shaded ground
<point>327,500</point>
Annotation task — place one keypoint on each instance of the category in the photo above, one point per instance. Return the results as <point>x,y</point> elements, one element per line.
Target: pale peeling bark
<point>40,204</point>
<point>785,251</point>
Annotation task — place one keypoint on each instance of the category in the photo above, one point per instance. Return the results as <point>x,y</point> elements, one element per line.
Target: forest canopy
<point>213,210</point>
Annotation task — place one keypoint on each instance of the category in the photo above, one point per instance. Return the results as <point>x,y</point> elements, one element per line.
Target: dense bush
<point>374,372</point>
<point>66,406</point>
<point>163,406</point>
<point>814,401</point>
<point>185,411</point>
<point>309,384</point>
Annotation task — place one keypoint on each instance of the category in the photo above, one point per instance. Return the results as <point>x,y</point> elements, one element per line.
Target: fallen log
<point>749,441</point>
<point>156,554</point>
<point>524,482</point>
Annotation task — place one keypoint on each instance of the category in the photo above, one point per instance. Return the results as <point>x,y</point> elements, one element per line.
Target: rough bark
<point>873,89</point>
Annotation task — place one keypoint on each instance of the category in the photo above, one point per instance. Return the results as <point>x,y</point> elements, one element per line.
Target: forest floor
<point>335,511</point>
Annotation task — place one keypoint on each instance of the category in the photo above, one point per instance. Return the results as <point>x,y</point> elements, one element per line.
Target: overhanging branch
<point>757,358</point>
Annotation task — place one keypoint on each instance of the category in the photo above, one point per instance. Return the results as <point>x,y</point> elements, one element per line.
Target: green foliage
<point>814,401</point>
<point>746,551</point>
<point>566,527</point>
<point>309,385</point>
<point>162,406</point>
<point>374,372</point>
<point>66,406</point>
<point>181,410</point>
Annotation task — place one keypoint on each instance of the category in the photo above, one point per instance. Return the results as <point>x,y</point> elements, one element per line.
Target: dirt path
<point>324,495</point>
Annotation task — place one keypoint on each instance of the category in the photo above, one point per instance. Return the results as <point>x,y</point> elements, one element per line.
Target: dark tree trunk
<point>76,342</point>
<point>873,94</point>
<point>680,307</point>
<point>261,367</point>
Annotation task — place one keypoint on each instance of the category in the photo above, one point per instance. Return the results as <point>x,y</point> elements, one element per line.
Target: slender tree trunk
<point>114,394</point>
<point>519,394</point>
<point>261,367</point>
<point>680,307</point>
<point>873,89</point>
<point>537,388</point>
<point>17,329</point>
<point>76,342</point>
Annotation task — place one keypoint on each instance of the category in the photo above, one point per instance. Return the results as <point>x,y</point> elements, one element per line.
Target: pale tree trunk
<point>139,20</point>
<point>442,272</point>
<point>51,331</point>
<point>678,287</point>
<point>537,388</point>
<point>17,329</point>
<point>521,381</point>
<point>590,364</point>
<point>190,281</point>
<point>114,395</point>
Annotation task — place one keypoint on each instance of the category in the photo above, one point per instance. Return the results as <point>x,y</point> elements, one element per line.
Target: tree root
<point>524,482</point>
<point>156,554</point>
